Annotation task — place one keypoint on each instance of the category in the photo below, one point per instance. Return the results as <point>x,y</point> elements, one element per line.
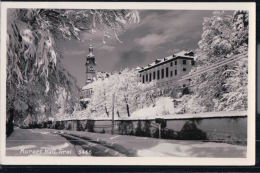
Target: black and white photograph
<point>131,82</point>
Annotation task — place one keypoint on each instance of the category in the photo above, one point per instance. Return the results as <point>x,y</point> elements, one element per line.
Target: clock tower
<point>90,66</point>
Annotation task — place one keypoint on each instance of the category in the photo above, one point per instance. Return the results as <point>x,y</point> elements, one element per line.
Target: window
<point>184,61</point>
<point>150,77</point>
<point>158,74</point>
<point>146,77</point>
<point>175,62</point>
<point>184,69</point>
<point>171,73</point>
<point>171,64</point>
<point>143,78</point>
<point>175,72</point>
<point>154,75</point>
<point>162,73</point>
<point>167,71</point>
<point>192,62</point>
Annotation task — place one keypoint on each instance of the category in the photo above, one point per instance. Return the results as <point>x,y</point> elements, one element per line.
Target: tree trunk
<point>106,111</point>
<point>128,111</point>
<point>9,123</point>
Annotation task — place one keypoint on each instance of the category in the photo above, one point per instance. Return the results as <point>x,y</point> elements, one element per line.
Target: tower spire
<point>90,64</point>
<point>91,49</point>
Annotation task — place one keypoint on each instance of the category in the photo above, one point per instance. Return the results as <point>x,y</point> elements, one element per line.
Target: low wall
<point>220,129</point>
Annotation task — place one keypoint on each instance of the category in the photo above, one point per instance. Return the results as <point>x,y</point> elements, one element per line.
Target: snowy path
<point>151,147</point>
<point>26,142</point>
<point>74,143</point>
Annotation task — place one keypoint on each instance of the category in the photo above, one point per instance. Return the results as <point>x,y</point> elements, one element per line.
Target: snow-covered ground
<point>48,142</point>
<point>221,114</point>
<point>163,108</point>
<point>38,142</point>
<point>196,149</point>
<point>152,147</point>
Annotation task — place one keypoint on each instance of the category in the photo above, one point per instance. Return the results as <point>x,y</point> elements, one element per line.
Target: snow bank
<point>163,106</point>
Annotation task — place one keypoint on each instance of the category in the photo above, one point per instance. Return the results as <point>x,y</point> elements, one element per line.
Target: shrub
<point>80,126</point>
<point>190,131</point>
<point>125,127</point>
<point>90,125</point>
<point>143,128</point>
<point>168,134</point>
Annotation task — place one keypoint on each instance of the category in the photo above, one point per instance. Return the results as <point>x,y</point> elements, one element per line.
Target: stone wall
<point>222,129</point>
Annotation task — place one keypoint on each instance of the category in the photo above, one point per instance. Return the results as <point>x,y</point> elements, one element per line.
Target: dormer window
<point>190,53</point>
<point>157,61</point>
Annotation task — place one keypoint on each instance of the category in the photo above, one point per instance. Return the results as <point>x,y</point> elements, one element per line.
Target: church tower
<point>90,66</point>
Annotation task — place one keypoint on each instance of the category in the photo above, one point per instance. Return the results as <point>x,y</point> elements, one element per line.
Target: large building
<point>164,71</point>
<point>168,70</point>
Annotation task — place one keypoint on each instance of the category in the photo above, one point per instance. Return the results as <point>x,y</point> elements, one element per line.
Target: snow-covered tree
<point>236,84</point>
<point>215,41</point>
<point>224,88</point>
<point>130,94</point>
<point>34,69</point>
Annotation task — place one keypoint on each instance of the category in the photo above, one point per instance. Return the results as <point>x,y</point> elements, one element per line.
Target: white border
<point>46,160</point>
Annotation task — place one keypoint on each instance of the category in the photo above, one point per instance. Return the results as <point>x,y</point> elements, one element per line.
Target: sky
<point>158,34</point>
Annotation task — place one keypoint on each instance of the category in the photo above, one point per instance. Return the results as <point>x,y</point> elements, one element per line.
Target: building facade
<point>168,70</point>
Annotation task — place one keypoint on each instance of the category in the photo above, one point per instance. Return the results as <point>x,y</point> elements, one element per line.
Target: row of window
<point>184,62</point>
<point>160,74</point>
<point>86,93</point>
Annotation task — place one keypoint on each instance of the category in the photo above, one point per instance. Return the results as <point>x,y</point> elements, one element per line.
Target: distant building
<point>91,75</point>
<point>86,91</point>
<point>168,70</point>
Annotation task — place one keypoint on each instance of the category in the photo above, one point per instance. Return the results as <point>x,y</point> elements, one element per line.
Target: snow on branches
<point>130,94</point>
<point>224,88</point>
<point>34,69</point>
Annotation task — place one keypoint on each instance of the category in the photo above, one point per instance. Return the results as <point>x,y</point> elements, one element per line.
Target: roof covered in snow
<point>84,115</point>
<point>85,99</point>
<point>99,75</point>
<point>85,87</point>
<point>186,54</point>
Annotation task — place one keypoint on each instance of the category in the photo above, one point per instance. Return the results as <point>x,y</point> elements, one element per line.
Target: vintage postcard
<point>102,83</point>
